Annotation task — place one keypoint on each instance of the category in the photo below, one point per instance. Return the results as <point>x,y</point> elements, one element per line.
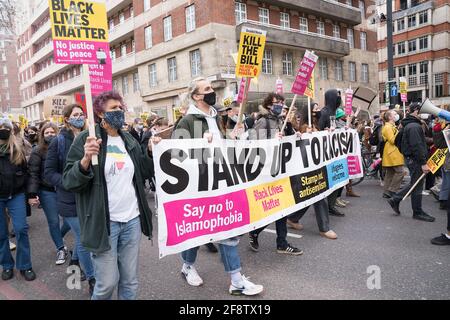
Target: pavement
<point>377,256</point>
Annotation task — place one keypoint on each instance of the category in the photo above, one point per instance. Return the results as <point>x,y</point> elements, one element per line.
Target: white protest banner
<point>214,191</point>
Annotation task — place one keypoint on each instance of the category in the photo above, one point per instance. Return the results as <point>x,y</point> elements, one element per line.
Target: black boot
<point>335,212</point>
<point>424,217</point>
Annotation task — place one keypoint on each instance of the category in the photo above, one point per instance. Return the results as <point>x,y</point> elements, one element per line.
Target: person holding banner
<point>202,121</point>
<point>414,149</point>
<point>111,199</point>
<point>13,181</point>
<point>74,123</point>
<point>321,206</point>
<point>268,126</point>
<point>332,102</point>
<point>392,159</point>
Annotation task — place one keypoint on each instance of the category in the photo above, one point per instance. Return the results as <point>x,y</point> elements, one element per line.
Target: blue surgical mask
<point>77,122</point>
<point>276,109</point>
<point>115,119</point>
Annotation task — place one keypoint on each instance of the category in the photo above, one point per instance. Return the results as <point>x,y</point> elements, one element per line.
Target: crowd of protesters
<point>105,207</point>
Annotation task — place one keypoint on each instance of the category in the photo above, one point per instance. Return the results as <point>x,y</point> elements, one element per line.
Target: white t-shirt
<point>119,173</point>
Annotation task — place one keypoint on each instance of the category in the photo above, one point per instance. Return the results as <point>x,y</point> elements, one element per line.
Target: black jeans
<point>322,217</point>
<point>333,196</point>
<point>448,214</point>
<point>415,171</point>
<point>281,227</point>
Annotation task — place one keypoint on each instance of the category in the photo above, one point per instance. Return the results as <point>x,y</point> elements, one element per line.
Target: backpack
<point>399,138</point>
<point>374,138</point>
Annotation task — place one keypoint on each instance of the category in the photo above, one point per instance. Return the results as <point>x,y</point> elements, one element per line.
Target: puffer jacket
<point>266,126</point>
<point>13,178</point>
<point>36,168</point>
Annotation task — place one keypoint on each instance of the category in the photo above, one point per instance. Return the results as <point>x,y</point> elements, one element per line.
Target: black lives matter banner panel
<point>214,191</point>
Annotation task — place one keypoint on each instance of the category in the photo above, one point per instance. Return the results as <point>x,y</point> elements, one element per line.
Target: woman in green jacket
<point>111,202</point>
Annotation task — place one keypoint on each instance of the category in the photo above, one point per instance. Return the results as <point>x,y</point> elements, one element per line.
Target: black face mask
<point>5,134</point>
<point>210,98</point>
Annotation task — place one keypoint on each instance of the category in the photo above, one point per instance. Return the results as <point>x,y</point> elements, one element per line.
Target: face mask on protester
<point>77,122</point>
<point>424,116</point>
<point>276,109</point>
<point>5,134</point>
<point>32,136</point>
<point>234,118</point>
<point>396,117</point>
<point>115,119</point>
<point>140,127</point>
<point>49,139</point>
<point>210,98</point>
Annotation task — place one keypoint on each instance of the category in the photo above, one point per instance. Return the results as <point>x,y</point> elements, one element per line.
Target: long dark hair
<point>43,146</point>
<point>67,111</point>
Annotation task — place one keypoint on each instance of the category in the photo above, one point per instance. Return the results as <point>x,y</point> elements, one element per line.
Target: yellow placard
<point>267,199</point>
<point>309,91</point>
<point>251,52</point>
<point>78,20</point>
<point>437,160</point>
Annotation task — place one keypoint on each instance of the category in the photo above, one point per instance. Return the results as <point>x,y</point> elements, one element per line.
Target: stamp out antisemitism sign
<point>251,51</point>
<point>304,73</point>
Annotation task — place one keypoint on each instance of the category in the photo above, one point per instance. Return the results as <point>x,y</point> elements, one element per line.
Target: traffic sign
<point>394,90</point>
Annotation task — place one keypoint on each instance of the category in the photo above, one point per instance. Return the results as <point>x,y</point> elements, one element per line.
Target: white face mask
<point>396,117</point>
<point>424,116</point>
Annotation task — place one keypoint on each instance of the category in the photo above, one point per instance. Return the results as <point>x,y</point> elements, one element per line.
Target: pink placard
<point>304,73</point>
<point>348,101</point>
<point>279,85</point>
<point>101,77</point>
<point>354,166</point>
<point>241,93</point>
<point>404,97</point>
<point>191,218</point>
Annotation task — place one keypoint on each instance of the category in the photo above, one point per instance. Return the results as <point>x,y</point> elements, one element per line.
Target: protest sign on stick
<point>80,36</point>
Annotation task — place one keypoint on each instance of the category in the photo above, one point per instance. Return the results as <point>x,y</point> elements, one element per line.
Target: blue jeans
<point>228,252</point>
<point>83,255</point>
<point>48,202</point>
<point>119,265</point>
<point>445,187</point>
<point>18,214</point>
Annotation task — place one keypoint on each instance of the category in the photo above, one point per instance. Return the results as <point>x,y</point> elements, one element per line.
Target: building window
<point>267,62</point>
<point>285,21</point>
<point>402,71</point>
<point>146,5</point>
<point>196,68</point>
<point>323,68</point>
<point>338,70</point>
<point>111,24</point>
<point>190,18</point>
<point>152,75</point>
<point>240,12</point>
<point>113,54</point>
<point>148,37</point>
<point>412,69</point>
<point>400,25</point>
<point>121,18</point>
<point>363,39</point>
<point>135,82</point>
<point>303,24</point>
<point>424,67</point>
<point>365,72</point>
<point>123,50</point>
<point>352,71</point>
<point>362,7</point>
<point>287,63</point>
<point>411,21</point>
<point>412,45</point>
<point>423,17</point>
<point>439,85</point>
<point>401,48</point>
<point>320,28</point>
<point>172,67</point>
<point>350,38</point>
<point>423,43</point>
<point>167,28</point>
<point>336,31</point>
<point>263,15</point>
<point>439,90</point>
<point>5,70</point>
<point>125,85</point>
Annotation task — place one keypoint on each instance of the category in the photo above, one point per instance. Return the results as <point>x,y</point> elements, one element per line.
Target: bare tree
<point>8,11</point>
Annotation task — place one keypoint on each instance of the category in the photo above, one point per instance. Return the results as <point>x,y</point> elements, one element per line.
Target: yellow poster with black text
<point>309,91</point>
<point>437,160</point>
<point>251,52</point>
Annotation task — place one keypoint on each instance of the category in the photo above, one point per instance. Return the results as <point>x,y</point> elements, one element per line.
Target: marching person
<point>202,99</point>
<point>392,159</point>
<point>111,202</point>
<point>137,129</point>
<point>40,192</point>
<point>13,182</point>
<point>414,148</point>
<point>268,126</point>
<point>74,123</point>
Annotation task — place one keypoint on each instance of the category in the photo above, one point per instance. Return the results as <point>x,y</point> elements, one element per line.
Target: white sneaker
<point>12,246</point>
<point>247,288</point>
<point>191,276</point>
<point>61,256</point>
<point>425,193</point>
